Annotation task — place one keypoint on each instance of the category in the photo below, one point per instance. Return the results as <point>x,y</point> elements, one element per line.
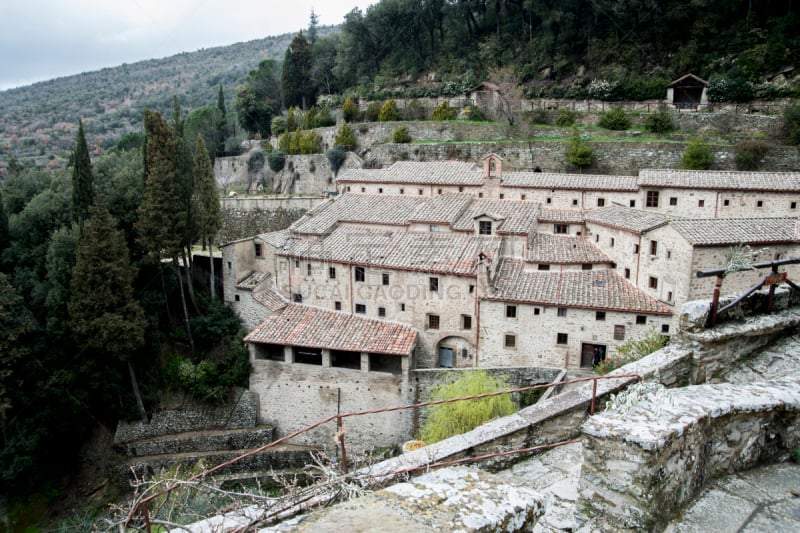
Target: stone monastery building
<point>452,264</point>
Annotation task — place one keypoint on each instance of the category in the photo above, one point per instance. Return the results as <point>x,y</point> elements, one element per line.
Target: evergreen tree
<point>206,202</point>
<point>313,23</point>
<point>104,316</point>
<point>4,236</point>
<point>221,101</point>
<point>296,87</point>
<point>82,181</point>
<point>222,124</point>
<point>259,98</point>
<point>15,324</point>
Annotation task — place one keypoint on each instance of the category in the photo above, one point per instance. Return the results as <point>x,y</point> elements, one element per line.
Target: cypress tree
<point>206,202</point>
<point>221,101</point>
<point>104,316</point>
<point>82,181</point>
<point>222,124</point>
<point>296,87</point>
<point>5,239</point>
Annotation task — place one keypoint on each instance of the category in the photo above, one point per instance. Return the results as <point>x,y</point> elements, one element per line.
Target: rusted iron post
<point>712,314</point>
<point>594,395</point>
<point>340,437</point>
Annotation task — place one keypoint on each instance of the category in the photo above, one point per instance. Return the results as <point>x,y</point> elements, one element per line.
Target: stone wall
<point>642,466</point>
<point>244,218</point>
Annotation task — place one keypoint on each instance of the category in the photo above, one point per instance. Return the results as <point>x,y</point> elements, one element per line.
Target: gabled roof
<point>418,173</point>
<point>578,182</point>
<point>252,280</point>
<point>688,78</point>
<point>314,327</point>
<point>720,180</point>
<point>601,289</point>
<point>520,216</point>
<point>442,209</point>
<point>733,231</point>
<point>275,239</point>
<point>560,249</point>
<point>271,299</point>
<point>568,216</point>
<point>626,218</point>
<point>362,208</point>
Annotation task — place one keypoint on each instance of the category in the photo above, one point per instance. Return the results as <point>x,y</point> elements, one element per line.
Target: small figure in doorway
<point>597,356</point>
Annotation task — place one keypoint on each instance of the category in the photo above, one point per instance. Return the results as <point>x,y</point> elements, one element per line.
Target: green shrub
<point>372,112</point>
<point>336,157</point>
<point>443,111</point>
<point>448,419</point>
<point>401,135</point>
<point>292,120</point>
<point>389,111</point>
<point>566,117</point>
<point>276,159</point>
<point>615,119</point>
<point>415,110</point>
<point>350,110</point>
<point>697,155</point>
<point>659,122</point>
<point>345,137</point>
<point>633,350</point>
<point>324,118</point>
<point>310,117</point>
<point>256,161</point>
<point>537,116</point>
<point>578,153</point>
<point>747,155</point>
<point>790,129</point>
<point>730,89</point>
<point>278,125</point>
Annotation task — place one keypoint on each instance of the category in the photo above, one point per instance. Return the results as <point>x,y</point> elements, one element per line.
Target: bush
<point>604,90</point>
<point>579,153</point>
<point>276,160</point>
<point>350,111</point>
<point>633,350</point>
<point>659,122</point>
<point>566,118</point>
<point>448,419</point>
<point>389,111</point>
<point>730,89</point>
<point>443,111</point>
<point>324,118</point>
<point>292,121</point>
<point>256,161</point>
<point>336,157</point>
<point>537,116</point>
<point>372,112</point>
<point>415,110</point>
<point>748,154</point>
<point>697,156</point>
<point>615,119</point>
<point>345,138</point>
<point>278,126</point>
<point>310,117</point>
<point>790,129</point>
<point>401,135</point>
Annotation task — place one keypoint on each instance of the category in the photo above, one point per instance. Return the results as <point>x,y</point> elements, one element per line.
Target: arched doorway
<point>455,352</point>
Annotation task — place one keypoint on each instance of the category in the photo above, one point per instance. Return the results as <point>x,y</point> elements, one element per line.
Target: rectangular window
<point>632,203</point>
<point>385,278</point>
<point>433,284</point>
<point>562,311</point>
<point>381,312</point>
<point>586,266</point>
<point>653,247</point>
<point>548,200</point>
<point>337,306</point>
<point>484,227</point>
<point>601,202</point>
<point>510,341</point>
<point>471,289</point>
<point>522,197</point>
<point>419,191</point>
<point>348,188</point>
<point>363,189</point>
<point>466,322</point>
<point>635,248</point>
<point>652,282</point>
<point>792,205</point>
<point>701,203</point>
<point>726,203</point>
<point>760,203</point>
<point>641,319</point>
<point>380,190</point>
<point>543,267</point>
<point>562,338</point>
<point>664,328</point>
<point>673,201</point>
<point>561,228</point>
<point>511,311</point>
<point>297,297</point>
<point>669,296</point>
<point>433,321</point>
<point>359,274</point>
<point>236,297</point>
<point>297,263</point>
<point>600,315</point>
<point>480,195</point>
<point>402,307</point>
<point>627,273</point>
<point>229,265</point>
<point>361,309</point>
<point>597,238</point>
<point>619,333</point>
<point>460,189</point>
<point>433,228</point>
<point>332,272</point>
<point>611,242</point>
<point>536,310</point>
<point>439,191</point>
<point>652,199</point>
<point>502,196</point>
<point>402,191</point>
<point>259,250</point>
<point>308,268</point>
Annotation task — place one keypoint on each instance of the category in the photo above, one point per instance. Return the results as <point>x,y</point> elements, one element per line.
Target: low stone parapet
<point>641,466</point>
<point>200,441</point>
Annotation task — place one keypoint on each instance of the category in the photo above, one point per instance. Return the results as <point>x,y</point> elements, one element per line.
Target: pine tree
<point>206,202</point>
<point>222,123</point>
<point>15,324</point>
<point>221,101</point>
<point>104,316</point>
<point>82,181</point>
<point>5,239</point>
<point>296,88</point>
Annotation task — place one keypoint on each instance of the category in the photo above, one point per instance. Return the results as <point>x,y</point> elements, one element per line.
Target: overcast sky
<point>44,39</point>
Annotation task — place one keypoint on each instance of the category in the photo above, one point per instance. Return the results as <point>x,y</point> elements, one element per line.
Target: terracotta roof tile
<point>442,209</point>
<point>559,249</point>
<point>591,289</point>
<point>626,218</point>
<point>589,182</point>
<point>567,216</point>
<point>419,173</point>
<point>276,238</point>
<point>271,300</point>
<point>313,327</point>
<point>518,216</point>
<point>731,231</point>
<point>720,180</point>
<point>252,280</point>
<point>363,208</point>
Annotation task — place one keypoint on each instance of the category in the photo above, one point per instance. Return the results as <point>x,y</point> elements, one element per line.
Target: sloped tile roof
<point>626,218</point>
<point>276,238</point>
<point>444,253</point>
<point>731,231</point>
<point>252,280</point>
<point>362,208</point>
<point>313,327</point>
<point>561,249</point>
<point>567,216</point>
<point>591,289</point>
<point>418,173</point>
<point>580,182</point>
<point>519,215</point>
<point>720,180</point>
<point>442,209</point>
<point>271,300</point>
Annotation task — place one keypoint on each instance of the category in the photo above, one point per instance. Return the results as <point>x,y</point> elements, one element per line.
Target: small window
<point>792,205</point>
<point>562,338</point>
<point>466,322</point>
<point>385,278</point>
<point>536,310</point>
<point>510,341</point>
<point>562,311</point>
<point>627,273</point>
<point>511,311</point>
<point>619,333</point>
<point>480,195</point>
<point>484,227</point>
<point>673,200</point>
<point>259,250</point>
<point>433,321</point>
<point>600,315</point>
<point>439,191</point>
<point>331,272</point>
<point>337,306</point>
<point>363,189</point>
<point>760,203</point>
<point>402,191</point>
<point>502,196</point>
<point>402,307</point>
<point>635,248</point>
<point>669,296</point>
<point>297,263</point>
<point>653,247</point>
<point>574,201</point>
<point>433,284</point>
<point>229,265</point>
<point>521,196</point>
<point>597,238</point>
<point>380,190</point>
<point>586,266</point>
<point>548,201</point>
<point>653,282</point>
<point>236,297</point>
<point>348,188</point>
<point>460,189</point>
<point>632,203</point>
<point>359,274</point>
<point>701,203</point>
<point>601,202</point>
<point>652,199</point>
<point>297,298</point>
<point>561,228</point>
<point>641,319</point>
<point>471,289</point>
<point>308,269</point>
<point>361,309</point>
<point>381,312</point>
<point>543,267</point>
<point>433,228</point>
<point>726,203</point>
<point>611,242</point>
<point>419,191</point>
<point>665,328</point>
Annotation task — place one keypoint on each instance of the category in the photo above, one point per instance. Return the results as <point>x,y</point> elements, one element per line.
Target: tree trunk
<point>164,292</point>
<point>177,268</point>
<point>189,280</point>
<point>135,385</point>
<point>211,261</point>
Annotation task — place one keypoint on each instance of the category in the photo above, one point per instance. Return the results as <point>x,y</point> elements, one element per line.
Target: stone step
<point>199,441</point>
